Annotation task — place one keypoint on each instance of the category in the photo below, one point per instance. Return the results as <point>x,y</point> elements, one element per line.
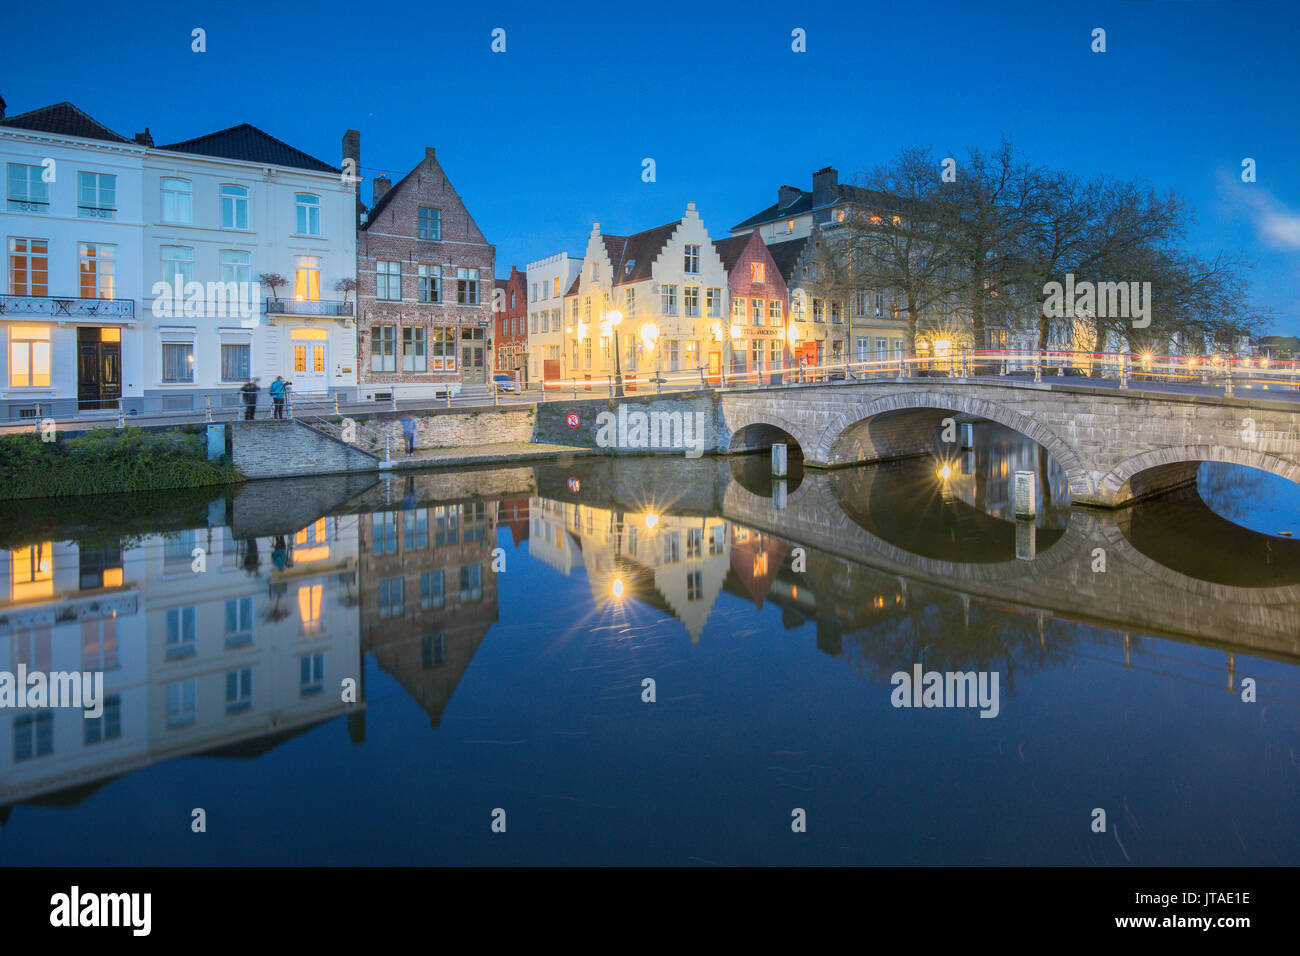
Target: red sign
<point>572,420</point>
<point>575,485</point>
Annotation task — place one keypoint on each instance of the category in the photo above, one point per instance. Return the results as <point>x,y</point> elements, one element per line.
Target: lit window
<point>309,608</point>
<point>29,356</point>
<point>31,572</point>
<point>756,272</point>
<point>306,285</point>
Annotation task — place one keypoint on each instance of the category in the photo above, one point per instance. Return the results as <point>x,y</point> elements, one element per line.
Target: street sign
<point>483,324</point>
<point>572,420</point>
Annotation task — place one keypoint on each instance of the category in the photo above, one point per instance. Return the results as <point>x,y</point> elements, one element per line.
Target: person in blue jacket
<point>277,396</point>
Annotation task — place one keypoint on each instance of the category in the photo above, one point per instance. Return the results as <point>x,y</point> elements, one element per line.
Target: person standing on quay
<point>277,396</point>
<point>250,391</point>
<point>408,429</point>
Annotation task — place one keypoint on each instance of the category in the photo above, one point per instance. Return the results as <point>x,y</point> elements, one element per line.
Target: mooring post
<point>336,403</point>
<point>1025,502</point>
<point>208,400</point>
<point>1227,381</point>
<point>121,414</point>
<point>779,459</point>
<point>1123,373</point>
<point>394,396</point>
<point>575,388</point>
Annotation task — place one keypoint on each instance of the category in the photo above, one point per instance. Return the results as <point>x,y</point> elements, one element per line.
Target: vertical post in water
<point>1026,505</point>
<point>208,400</point>
<point>779,459</point>
<point>1227,380</point>
<point>1123,372</point>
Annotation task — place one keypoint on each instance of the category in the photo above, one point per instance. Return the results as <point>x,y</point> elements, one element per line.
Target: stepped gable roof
<point>786,255</point>
<point>65,120</point>
<point>247,143</point>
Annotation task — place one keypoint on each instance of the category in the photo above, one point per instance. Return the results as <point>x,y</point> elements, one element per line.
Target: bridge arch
<point>1165,468</point>
<point>751,429</point>
<point>840,441</point>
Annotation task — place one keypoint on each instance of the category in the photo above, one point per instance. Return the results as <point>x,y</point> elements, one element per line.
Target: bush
<point>108,460</point>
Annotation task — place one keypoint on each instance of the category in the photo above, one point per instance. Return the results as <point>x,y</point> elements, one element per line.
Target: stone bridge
<point>1114,445</point>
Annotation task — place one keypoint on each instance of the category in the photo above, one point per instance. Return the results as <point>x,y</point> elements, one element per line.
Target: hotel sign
<point>753,331</point>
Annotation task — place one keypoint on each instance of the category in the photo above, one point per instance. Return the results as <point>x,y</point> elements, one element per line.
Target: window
<point>774,354</point>
<point>310,620</point>
<point>388,281</point>
<point>415,529</point>
<point>692,260</point>
<point>669,296</point>
<point>575,353</point>
<point>96,268</point>
<point>383,354</point>
<point>236,362</point>
<point>756,272</point>
<point>673,350</point>
<point>430,283</point>
<point>30,646</point>
<point>694,542</point>
<point>234,207</point>
<point>433,650</point>
<point>694,585</point>
<point>471,582</point>
<point>737,309</point>
<point>311,674</point>
<point>177,267</point>
<point>444,349</point>
<point>713,300</point>
<point>239,690</point>
<point>413,357</point>
<point>178,361</point>
<point>672,547</point>
<point>532,323</point>
<point>863,348</point>
<point>108,725</point>
<point>29,267</point>
<point>29,356</point>
<point>28,192</point>
<point>756,354</point>
<point>306,283</point>
<point>99,642</point>
<point>880,303</point>
<point>835,311</point>
<point>239,621</point>
<point>586,348</point>
<point>236,267</point>
<point>391,600</point>
<point>307,214</point>
<point>630,302</point>
<point>882,349</point>
<point>180,631</point>
<point>467,286</point>
<point>556,287</point>
<point>96,195</point>
<point>177,202</point>
<point>755,311</point>
<point>604,348</point>
<point>180,702</point>
<point>861,302</point>
<point>691,297</point>
<point>773,311</point>
<point>33,736</point>
<point>595,270</point>
<point>819,310</point>
<point>384,526</point>
<point>430,223</point>
<point>446,525</point>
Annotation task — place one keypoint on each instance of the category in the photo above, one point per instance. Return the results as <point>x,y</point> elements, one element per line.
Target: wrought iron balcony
<point>67,306</point>
<point>305,307</point>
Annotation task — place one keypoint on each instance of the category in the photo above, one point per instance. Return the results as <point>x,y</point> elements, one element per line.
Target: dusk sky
<point>549,136</point>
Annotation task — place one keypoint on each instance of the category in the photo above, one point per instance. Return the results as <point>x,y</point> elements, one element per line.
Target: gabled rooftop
<point>64,119</point>
<point>248,144</point>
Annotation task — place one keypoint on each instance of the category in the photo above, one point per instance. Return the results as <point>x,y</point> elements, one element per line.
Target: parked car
<point>504,382</point>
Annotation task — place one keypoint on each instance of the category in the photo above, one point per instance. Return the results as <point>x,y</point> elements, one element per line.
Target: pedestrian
<point>250,391</point>
<point>277,395</point>
<point>408,429</point>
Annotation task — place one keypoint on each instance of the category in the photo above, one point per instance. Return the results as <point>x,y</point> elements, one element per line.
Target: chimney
<point>429,154</point>
<point>785,195</point>
<point>145,138</point>
<point>2,107</point>
<point>352,151</point>
<point>824,185</point>
<point>381,185</point>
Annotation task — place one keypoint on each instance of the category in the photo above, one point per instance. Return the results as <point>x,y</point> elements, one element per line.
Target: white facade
<point>71,225</point>
<point>548,280</point>
<point>215,220</point>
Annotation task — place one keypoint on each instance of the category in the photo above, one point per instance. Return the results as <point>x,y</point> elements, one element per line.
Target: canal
<point>660,661</point>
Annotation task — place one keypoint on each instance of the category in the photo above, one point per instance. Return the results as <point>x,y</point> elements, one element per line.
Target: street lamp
<point>614,318</point>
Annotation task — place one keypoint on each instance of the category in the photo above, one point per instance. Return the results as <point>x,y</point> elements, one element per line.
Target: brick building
<point>756,330</point>
<point>424,286</point>
<point>511,311</point>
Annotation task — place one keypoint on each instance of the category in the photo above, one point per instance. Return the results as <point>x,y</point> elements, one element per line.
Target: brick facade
<point>511,318</point>
<point>422,319</point>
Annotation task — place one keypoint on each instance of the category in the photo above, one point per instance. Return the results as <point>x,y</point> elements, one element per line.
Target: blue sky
<point>550,135</point>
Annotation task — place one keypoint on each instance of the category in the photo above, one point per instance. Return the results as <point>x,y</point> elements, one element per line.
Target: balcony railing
<point>305,307</point>
<point>67,306</point>
<point>97,212</point>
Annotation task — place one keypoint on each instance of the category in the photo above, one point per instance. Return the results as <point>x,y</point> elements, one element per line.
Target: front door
<point>99,368</point>
<point>308,368</point>
<point>472,369</point>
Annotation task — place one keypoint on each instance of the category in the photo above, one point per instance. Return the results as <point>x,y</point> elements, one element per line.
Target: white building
<point>228,208</point>
<point>70,329</point>
<point>548,280</point>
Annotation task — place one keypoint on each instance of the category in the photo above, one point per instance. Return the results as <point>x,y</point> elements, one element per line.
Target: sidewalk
<point>496,454</point>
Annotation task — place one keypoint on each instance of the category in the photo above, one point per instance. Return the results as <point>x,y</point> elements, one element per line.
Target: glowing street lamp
<point>617,588</point>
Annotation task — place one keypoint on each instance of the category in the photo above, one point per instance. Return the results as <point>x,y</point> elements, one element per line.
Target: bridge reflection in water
<point>305,586</point>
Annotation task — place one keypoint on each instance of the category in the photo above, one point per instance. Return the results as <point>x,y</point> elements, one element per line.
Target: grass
<point>107,461</point>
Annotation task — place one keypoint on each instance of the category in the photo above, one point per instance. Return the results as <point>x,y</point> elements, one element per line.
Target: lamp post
<point>614,318</point>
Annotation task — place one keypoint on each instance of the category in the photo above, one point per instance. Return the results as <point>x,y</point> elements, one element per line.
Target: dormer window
<point>595,271</point>
<point>627,269</point>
